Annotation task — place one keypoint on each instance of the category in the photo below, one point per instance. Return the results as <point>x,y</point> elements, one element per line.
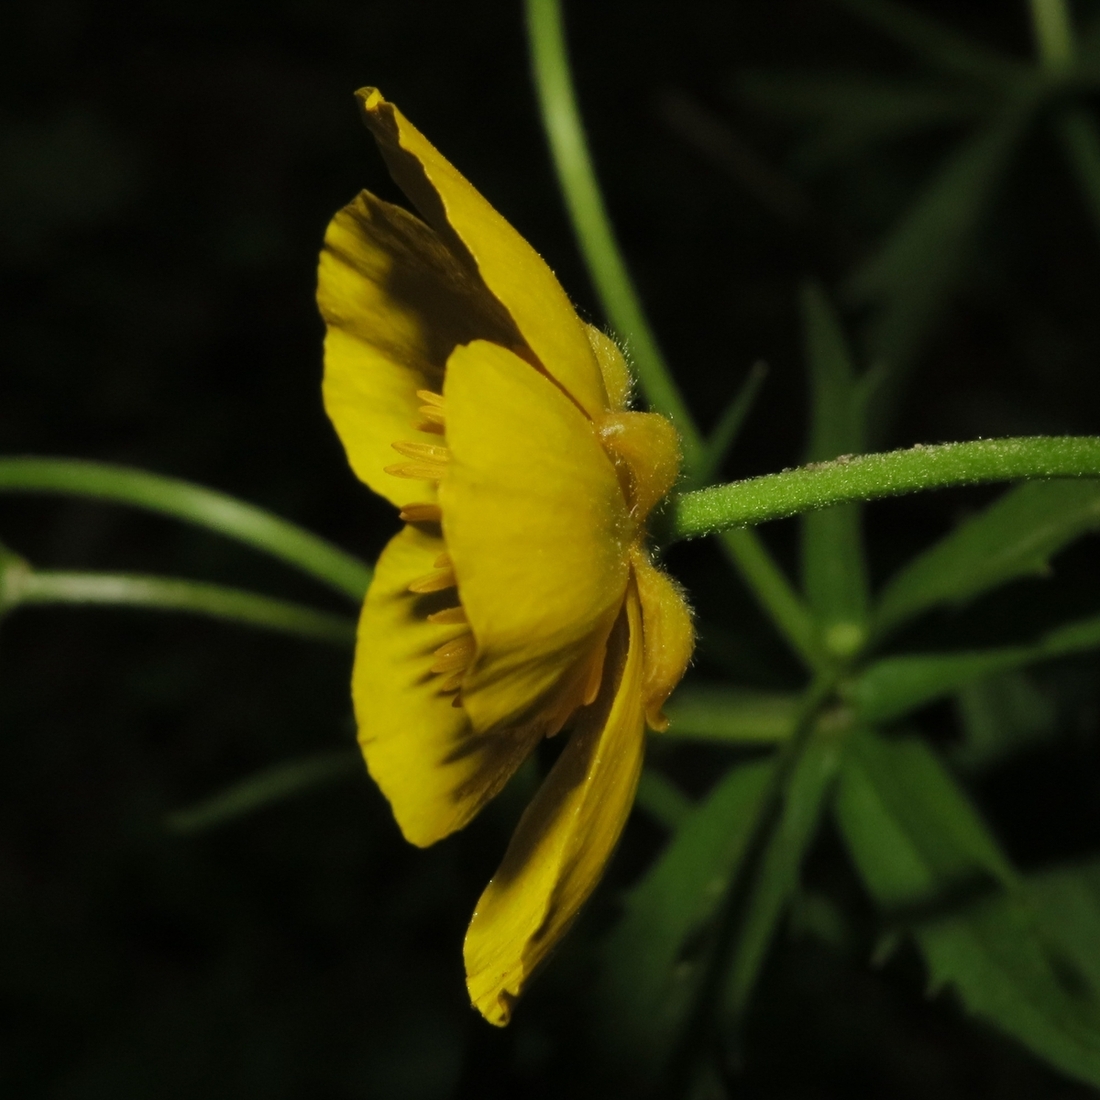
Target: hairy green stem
<point>577,177</point>
<point>21,585</point>
<point>873,476</point>
<point>194,504</point>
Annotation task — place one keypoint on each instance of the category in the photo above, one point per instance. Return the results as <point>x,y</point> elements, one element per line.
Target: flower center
<point>428,462</point>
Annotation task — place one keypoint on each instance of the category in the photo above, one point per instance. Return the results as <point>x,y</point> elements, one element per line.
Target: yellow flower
<point>519,599</point>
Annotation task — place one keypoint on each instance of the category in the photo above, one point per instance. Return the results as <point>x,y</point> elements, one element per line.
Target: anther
<point>418,471</point>
<point>442,561</point>
<point>454,655</point>
<point>449,615</point>
<point>434,582</point>
<point>430,398</point>
<point>421,513</point>
<point>429,452</point>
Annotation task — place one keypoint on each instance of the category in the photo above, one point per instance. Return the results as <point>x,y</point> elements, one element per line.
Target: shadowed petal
<point>537,528</point>
<point>395,301</point>
<point>420,749</point>
<point>511,268</point>
<point>565,837</point>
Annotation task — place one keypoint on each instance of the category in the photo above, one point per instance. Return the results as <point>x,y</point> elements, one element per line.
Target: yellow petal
<point>617,380</point>
<point>537,529</point>
<point>395,301</point>
<point>420,749</point>
<point>565,837</point>
<point>669,635</point>
<point>511,268</point>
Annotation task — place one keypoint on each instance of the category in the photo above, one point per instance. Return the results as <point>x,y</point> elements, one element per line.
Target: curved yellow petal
<point>537,528</point>
<point>669,635</point>
<point>396,302</point>
<point>420,749</point>
<point>617,379</point>
<point>511,268</point>
<point>565,837</point>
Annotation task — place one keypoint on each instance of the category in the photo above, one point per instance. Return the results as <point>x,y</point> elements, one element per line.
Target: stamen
<point>430,398</point>
<point>421,513</point>
<point>434,582</point>
<point>453,683</point>
<point>442,561</point>
<point>433,414</point>
<point>418,471</point>
<point>425,451</point>
<point>449,615</point>
<point>454,655</point>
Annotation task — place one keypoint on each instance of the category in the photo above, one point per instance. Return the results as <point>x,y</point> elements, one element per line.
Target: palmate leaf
<point>853,110</point>
<point>894,686</point>
<point>1015,536</point>
<point>1001,716</point>
<point>833,566</point>
<point>804,800</point>
<point>652,963</point>
<point>932,866</point>
<point>919,264</point>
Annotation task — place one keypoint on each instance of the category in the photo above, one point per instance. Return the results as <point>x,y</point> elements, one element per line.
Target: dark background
<point>166,174</point>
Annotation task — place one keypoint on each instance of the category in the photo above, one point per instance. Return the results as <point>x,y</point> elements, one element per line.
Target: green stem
<point>23,585</point>
<point>699,1032</point>
<point>577,177</point>
<point>873,476</point>
<point>775,593</point>
<point>1053,29</point>
<point>194,504</point>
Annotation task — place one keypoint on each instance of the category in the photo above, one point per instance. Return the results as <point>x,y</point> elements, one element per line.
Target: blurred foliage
<point>899,204</point>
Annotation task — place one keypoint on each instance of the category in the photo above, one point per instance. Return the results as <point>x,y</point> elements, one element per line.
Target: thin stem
<point>873,476</point>
<point>266,788</point>
<point>22,585</point>
<point>194,504</point>
<point>577,177</point>
<point>1053,29</point>
<point>729,425</point>
<point>775,593</point>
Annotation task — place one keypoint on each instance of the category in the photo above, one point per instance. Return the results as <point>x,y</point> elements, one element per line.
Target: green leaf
<point>923,851</point>
<point>25,586</point>
<point>1016,536</point>
<point>777,881</point>
<point>939,45</point>
<point>712,713</point>
<point>853,110</point>
<point>918,266</point>
<point>193,504</point>
<point>892,687</point>
<point>652,963</point>
<point>265,788</point>
<point>726,431</point>
<point>662,799</point>
<point>833,567</point>
<point>1006,969</point>
<point>912,832</point>
<point>1001,716</point>
<point>1067,900</point>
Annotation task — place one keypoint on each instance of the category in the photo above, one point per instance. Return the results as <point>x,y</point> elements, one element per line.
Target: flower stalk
<point>873,476</point>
